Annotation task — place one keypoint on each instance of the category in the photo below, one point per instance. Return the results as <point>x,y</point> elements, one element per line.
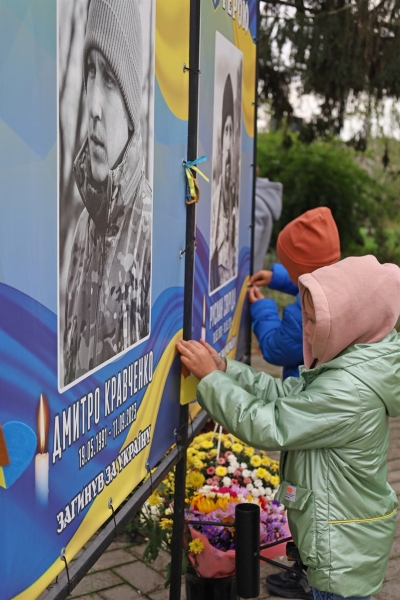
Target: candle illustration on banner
<point>42,457</point>
<point>203,324</point>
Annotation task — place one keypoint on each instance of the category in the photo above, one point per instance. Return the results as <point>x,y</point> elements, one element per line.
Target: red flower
<point>226,490</point>
<point>221,461</point>
<point>210,471</point>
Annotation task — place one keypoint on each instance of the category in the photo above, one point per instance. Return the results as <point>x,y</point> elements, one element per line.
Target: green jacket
<point>331,425</point>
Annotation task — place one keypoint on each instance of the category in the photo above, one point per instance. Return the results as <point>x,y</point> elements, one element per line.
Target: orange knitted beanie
<point>309,242</point>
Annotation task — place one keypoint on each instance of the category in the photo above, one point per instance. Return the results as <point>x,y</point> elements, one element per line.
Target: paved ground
<point>121,575</point>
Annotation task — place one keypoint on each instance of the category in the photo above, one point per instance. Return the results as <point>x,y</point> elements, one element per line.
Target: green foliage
<point>340,50</point>
<point>326,173</point>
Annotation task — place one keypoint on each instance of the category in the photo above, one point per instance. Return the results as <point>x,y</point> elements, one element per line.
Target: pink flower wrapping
<point>213,563</point>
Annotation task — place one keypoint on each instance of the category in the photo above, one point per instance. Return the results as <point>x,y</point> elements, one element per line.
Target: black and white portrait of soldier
<point>226,164</point>
<point>106,261</point>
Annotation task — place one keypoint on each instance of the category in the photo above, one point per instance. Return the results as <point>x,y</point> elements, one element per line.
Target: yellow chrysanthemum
<point>237,447</point>
<point>195,480</point>
<point>249,451</point>
<point>255,461</point>
<point>203,504</point>
<point>166,523</point>
<point>196,546</point>
<point>221,471</point>
<point>212,453</point>
<point>155,499</point>
<point>265,461</point>
<point>207,444</point>
<point>275,480</point>
<point>227,444</point>
<point>262,473</point>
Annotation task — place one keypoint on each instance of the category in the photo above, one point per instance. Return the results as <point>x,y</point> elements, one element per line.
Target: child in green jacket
<point>331,423</point>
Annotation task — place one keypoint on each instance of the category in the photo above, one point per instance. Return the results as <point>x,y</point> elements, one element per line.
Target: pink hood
<point>356,301</point>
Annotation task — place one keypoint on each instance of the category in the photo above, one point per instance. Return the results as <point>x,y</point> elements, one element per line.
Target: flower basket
<point>214,563</point>
<point>221,473</point>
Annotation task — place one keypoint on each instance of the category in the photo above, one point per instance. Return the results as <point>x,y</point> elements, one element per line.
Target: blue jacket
<point>280,340</point>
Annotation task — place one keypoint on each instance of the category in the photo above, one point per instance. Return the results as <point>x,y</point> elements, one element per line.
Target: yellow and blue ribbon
<point>192,188</point>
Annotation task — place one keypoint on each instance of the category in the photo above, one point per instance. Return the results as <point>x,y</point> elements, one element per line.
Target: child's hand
<point>220,363</point>
<point>261,278</point>
<point>196,358</point>
<point>254,294</point>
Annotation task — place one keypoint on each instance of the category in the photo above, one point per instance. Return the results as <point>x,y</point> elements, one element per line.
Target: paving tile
<point>393,571</point>
<point>395,551</point>
<point>118,544</point>
<point>393,453</point>
<point>394,476</point>
<point>161,562</point>
<point>121,592</point>
<point>164,594</point>
<point>93,582</point>
<point>390,591</point>
<point>394,465</point>
<point>141,577</point>
<point>396,487</point>
<point>137,550</point>
<point>91,597</point>
<point>113,559</point>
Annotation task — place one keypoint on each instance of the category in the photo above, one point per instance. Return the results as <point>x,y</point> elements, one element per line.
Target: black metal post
<point>247,356</point>
<point>182,438</point>
<point>247,545</point>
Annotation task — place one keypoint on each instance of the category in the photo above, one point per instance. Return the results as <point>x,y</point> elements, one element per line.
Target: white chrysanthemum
<point>243,465</point>
<point>231,469</point>
<point>226,481</point>
<point>246,473</point>
<point>250,486</point>
<point>231,457</point>
<point>255,492</point>
<point>258,483</point>
<point>268,491</point>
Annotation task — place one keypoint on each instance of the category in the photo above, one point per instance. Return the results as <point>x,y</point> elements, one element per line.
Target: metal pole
<point>247,545</point>
<point>182,440</point>
<point>247,356</point>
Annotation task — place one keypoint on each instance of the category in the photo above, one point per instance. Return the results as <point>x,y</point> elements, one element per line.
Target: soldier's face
<point>227,142</point>
<point>109,121</point>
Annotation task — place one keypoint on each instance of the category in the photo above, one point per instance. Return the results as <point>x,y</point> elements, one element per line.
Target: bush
<point>325,173</point>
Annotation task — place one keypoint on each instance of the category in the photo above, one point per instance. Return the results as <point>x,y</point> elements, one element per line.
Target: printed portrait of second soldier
<point>108,289</point>
<point>223,251</point>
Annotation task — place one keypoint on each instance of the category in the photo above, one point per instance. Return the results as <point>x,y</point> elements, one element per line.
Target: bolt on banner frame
<point>175,134</point>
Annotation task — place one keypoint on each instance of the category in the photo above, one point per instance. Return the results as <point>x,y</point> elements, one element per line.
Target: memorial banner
<point>226,136</point>
<point>93,131</point>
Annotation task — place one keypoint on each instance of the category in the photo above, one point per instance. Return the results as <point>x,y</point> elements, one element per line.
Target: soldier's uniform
<point>108,300</point>
<point>108,288</point>
<point>223,265</point>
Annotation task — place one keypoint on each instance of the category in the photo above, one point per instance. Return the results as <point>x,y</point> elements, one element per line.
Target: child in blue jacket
<point>307,243</point>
